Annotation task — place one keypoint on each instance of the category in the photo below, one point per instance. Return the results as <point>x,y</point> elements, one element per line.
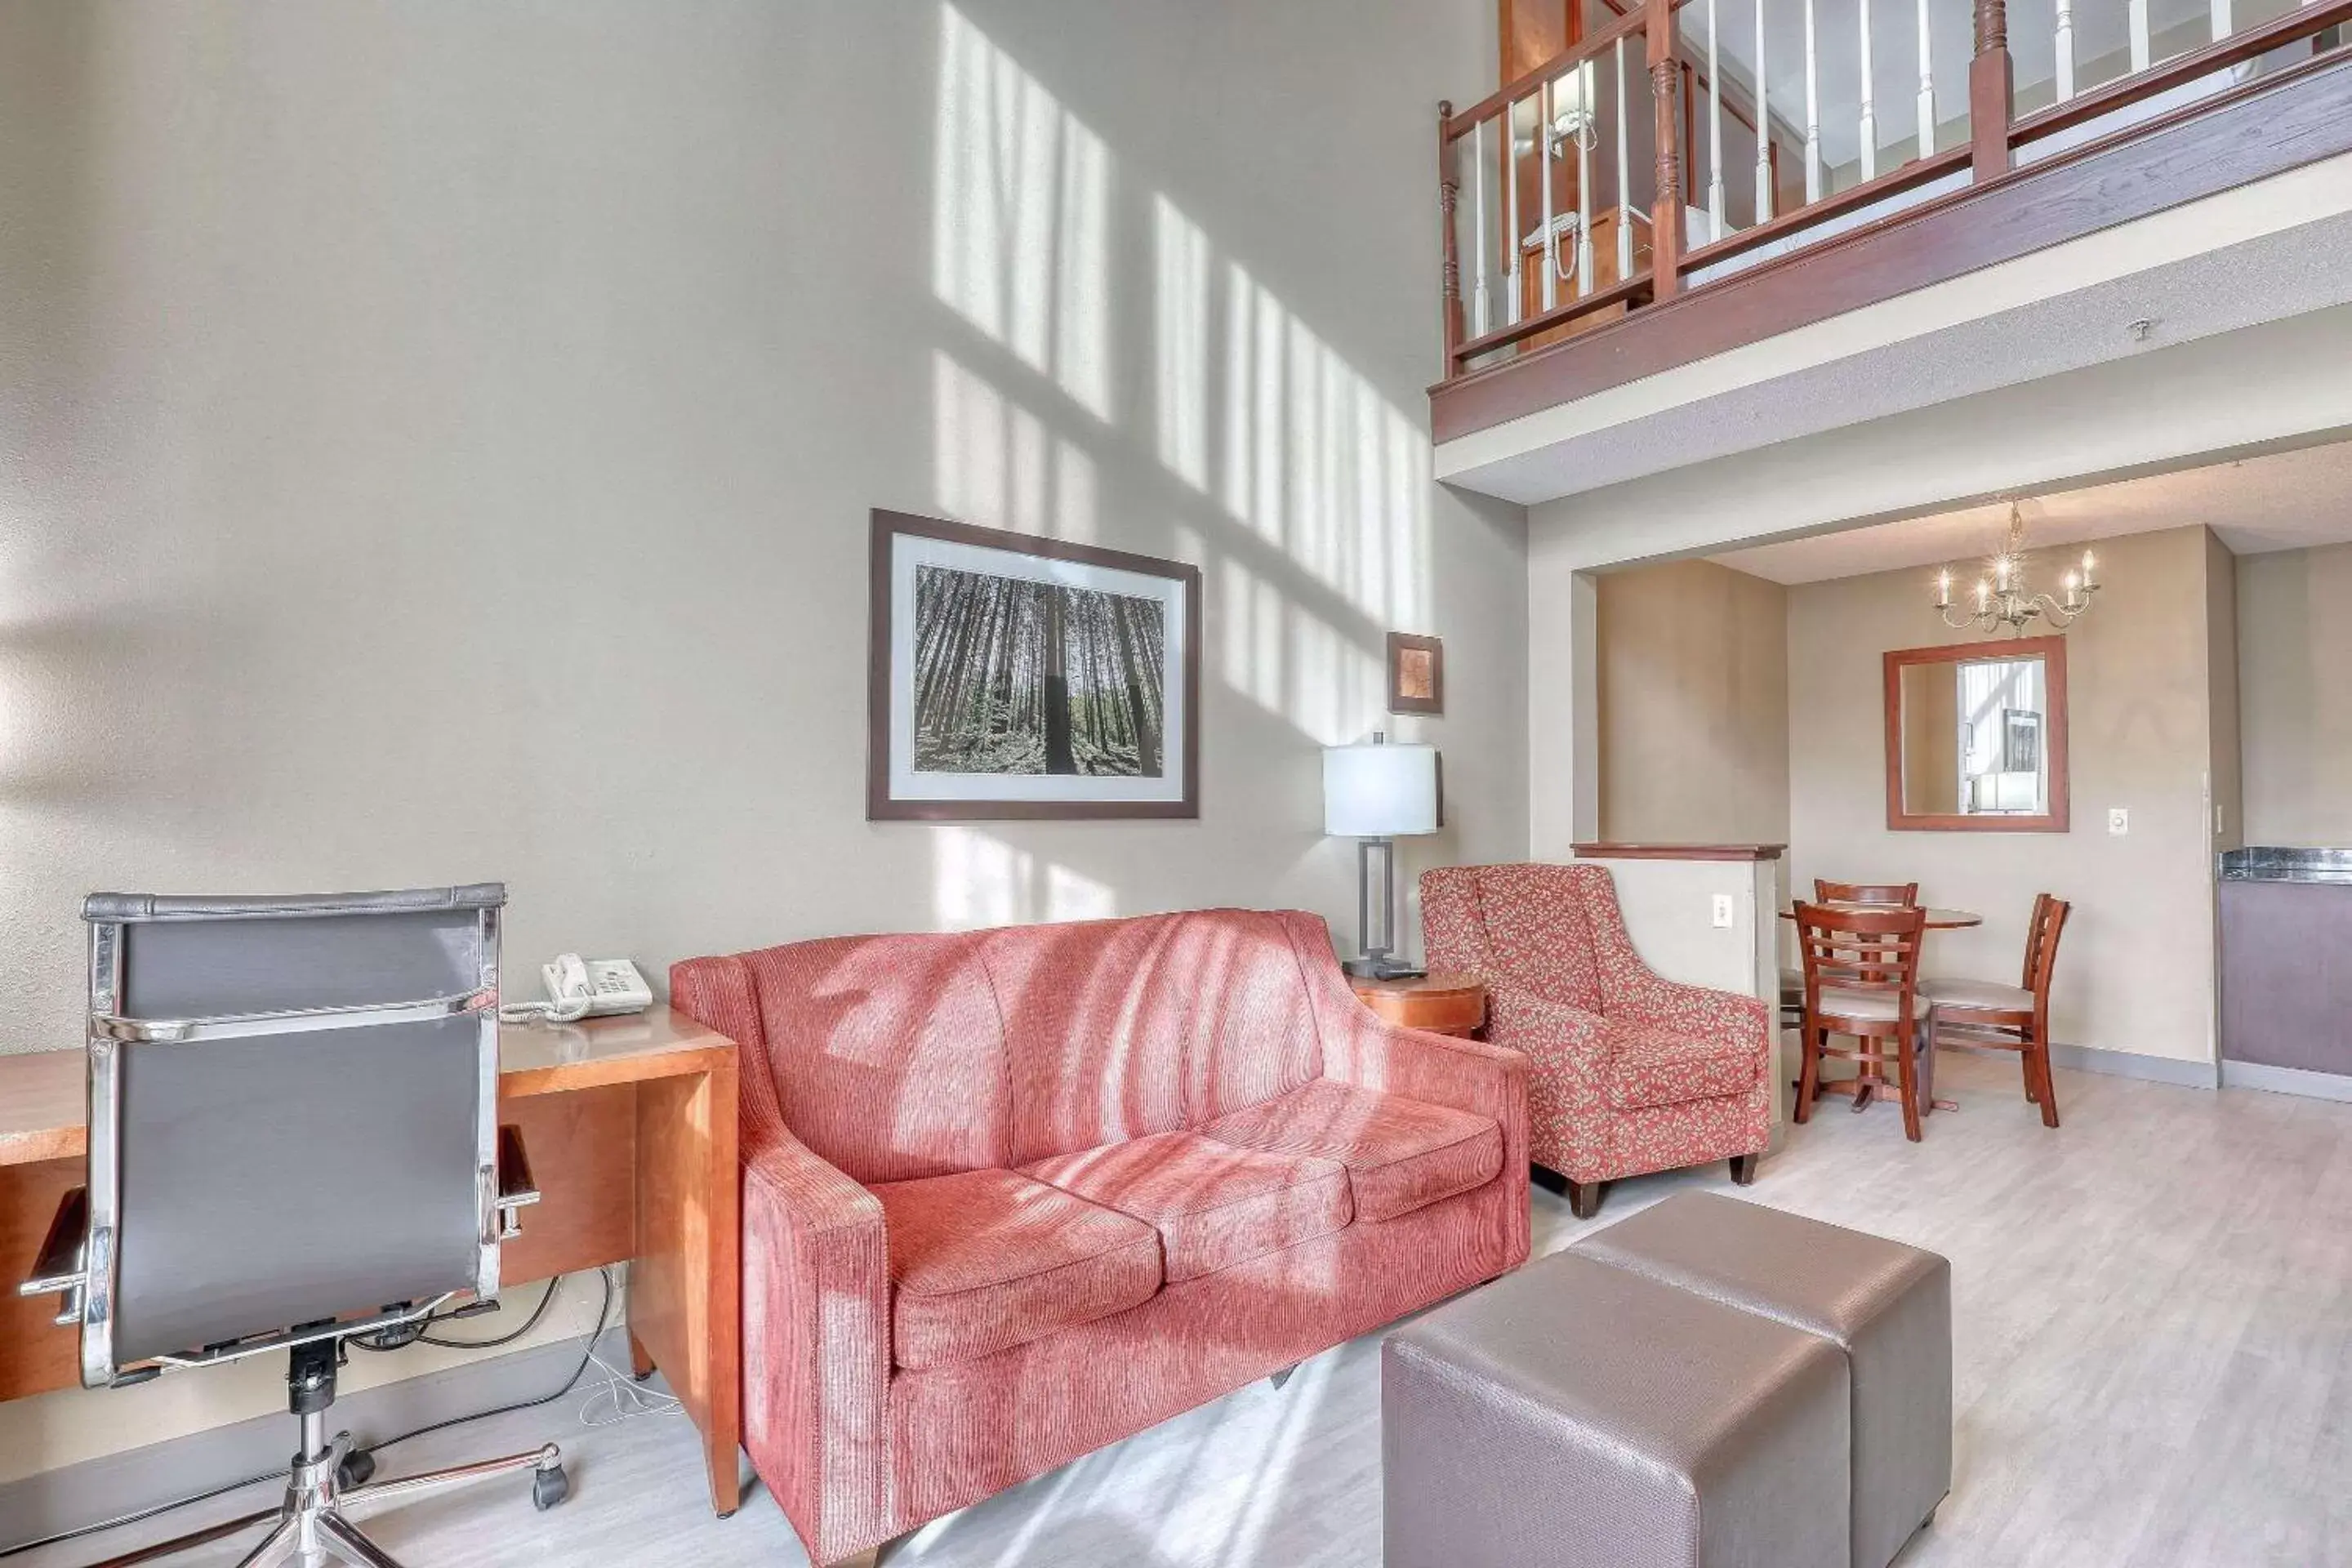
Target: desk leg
<point>685,1287</point>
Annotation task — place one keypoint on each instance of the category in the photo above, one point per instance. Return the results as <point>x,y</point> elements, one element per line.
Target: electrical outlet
<point>1723,912</point>
<point>2118,820</point>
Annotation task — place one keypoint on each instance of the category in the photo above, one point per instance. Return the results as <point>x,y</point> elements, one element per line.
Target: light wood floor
<point>2154,1326</point>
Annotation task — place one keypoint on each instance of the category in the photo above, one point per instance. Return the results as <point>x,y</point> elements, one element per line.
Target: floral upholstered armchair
<point>1628,1073</point>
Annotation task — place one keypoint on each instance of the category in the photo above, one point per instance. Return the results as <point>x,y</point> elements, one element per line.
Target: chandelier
<point>2002,597</point>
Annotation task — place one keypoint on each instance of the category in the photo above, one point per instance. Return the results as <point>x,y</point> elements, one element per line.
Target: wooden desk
<point>630,1122</point>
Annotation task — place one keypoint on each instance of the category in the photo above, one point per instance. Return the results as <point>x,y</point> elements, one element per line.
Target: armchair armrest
<point>816,1340</point>
<point>1697,1010</point>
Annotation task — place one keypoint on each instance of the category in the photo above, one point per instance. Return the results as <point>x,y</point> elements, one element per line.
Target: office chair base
<point>312,1526</point>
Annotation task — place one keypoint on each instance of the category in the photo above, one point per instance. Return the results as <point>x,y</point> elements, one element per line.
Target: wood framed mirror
<point>1976,737</point>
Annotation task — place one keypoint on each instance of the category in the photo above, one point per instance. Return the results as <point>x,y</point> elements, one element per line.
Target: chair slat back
<point>2042,943</point>
<point>1852,949</point>
<point>1900,894</point>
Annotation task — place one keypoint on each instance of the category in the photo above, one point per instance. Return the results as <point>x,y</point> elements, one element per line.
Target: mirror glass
<point>1975,738</point>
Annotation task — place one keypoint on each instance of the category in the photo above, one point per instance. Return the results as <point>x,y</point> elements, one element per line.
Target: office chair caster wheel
<point>548,1487</point>
<point>356,1470</point>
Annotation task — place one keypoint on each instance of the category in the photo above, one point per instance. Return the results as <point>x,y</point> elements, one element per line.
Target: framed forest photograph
<point>1017,676</point>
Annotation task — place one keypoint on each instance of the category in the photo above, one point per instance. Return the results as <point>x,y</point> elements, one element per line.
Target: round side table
<point>1442,1004</point>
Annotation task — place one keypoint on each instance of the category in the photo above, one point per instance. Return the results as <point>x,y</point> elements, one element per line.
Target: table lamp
<point>1376,793</point>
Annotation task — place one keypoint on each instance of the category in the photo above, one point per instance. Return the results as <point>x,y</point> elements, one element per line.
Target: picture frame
<point>2020,741</point>
<point>1416,674</point>
<point>1010,676</point>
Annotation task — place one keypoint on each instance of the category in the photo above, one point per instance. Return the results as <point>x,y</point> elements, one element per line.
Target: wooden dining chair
<point>1900,894</point>
<point>1861,981</point>
<point>2008,1017</point>
<point>1792,980</point>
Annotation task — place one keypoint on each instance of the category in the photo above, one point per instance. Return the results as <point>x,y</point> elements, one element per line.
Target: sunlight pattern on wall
<point>1021,236</point>
<point>994,462</point>
<point>1181,317</point>
<point>980,881</point>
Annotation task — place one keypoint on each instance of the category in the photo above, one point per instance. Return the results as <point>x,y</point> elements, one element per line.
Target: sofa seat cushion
<point>1214,1205</point>
<point>1401,1154</point>
<point>1653,1066</point>
<point>983,1260</point>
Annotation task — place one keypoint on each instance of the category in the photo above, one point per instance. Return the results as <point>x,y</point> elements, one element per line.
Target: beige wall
<point>2294,684</point>
<point>1694,701</point>
<point>436,443</point>
<point>2137,969</point>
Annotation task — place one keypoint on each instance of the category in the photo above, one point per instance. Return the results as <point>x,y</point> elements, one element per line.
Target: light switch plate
<point>2118,820</point>
<point>1723,912</point>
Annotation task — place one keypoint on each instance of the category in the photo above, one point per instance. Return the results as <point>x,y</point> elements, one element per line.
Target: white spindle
<point>1763,127</point>
<point>1927,87</point>
<point>1624,177</point>
<point>1588,127</point>
<point>1480,302</point>
<point>2140,50</point>
<point>1714,202</point>
<point>1546,107</point>
<point>1512,305</point>
<point>1868,125</point>
<point>1812,110</point>
<point>2065,50</point>
<point>2223,23</point>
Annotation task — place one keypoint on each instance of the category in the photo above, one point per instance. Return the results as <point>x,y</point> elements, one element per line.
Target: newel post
<point>1991,78</point>
<point>1449,191</point>
<point>1665,92</point>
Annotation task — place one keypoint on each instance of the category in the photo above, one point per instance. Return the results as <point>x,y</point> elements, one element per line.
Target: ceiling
<point>2284,500</point>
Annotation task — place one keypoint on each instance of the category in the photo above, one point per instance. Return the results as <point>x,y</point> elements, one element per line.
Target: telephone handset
<point>580,989</point>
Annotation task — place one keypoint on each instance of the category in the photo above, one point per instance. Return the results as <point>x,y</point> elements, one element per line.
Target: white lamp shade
<point>1380,792</point>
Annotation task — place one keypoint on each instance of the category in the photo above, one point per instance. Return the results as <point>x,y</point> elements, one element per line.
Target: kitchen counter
<point>2270,864</point>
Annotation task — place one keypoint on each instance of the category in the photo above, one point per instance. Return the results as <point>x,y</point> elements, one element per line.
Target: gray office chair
<point>293,1141</point>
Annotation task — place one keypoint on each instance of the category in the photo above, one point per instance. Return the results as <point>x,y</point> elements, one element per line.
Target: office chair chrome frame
<point>78,1262</point>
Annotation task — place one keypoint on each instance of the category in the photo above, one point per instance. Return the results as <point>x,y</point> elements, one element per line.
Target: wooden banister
<point>1992,84</point>
<point>1593,44</point>
<point>1449,191</point>
<point>1667,207</point>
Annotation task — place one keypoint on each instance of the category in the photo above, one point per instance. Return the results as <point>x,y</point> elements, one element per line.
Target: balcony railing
<point>1682,142</point>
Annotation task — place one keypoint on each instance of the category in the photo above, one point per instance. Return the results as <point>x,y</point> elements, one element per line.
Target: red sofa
<point>1630,1072</point>
<point>1013,1194</point>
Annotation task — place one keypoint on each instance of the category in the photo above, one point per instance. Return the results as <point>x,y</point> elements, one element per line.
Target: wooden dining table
<point>1865,1086</point>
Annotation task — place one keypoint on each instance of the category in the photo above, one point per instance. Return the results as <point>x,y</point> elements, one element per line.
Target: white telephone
<point>589,989</point>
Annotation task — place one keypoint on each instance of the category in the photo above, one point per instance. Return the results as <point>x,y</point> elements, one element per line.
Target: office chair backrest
<point>293,1115</point>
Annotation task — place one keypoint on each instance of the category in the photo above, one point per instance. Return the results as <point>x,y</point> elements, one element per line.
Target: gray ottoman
<point>1579,1415</point>
<point>1887,1306</point>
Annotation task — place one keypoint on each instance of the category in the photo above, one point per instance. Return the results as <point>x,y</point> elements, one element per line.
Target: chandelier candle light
<point>2004,598</point>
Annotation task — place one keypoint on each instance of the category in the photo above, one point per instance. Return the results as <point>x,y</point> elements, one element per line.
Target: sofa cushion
<point>1214,1205</point>
<point>1118,1029</point>
<point>1401,1154</point>
<point>1650,1066</point>
<point>983,1260</point>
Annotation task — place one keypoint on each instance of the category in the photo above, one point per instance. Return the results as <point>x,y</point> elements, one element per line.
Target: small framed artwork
<point>1010,675</point>
<point>2020,741</point>
<point>1416,674</point>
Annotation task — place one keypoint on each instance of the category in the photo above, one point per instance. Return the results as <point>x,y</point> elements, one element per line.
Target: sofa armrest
<point>1438,1069</point>
<point>816,1332</point>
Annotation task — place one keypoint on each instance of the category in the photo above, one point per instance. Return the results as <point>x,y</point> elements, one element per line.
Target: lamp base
<point>1371,968</point>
